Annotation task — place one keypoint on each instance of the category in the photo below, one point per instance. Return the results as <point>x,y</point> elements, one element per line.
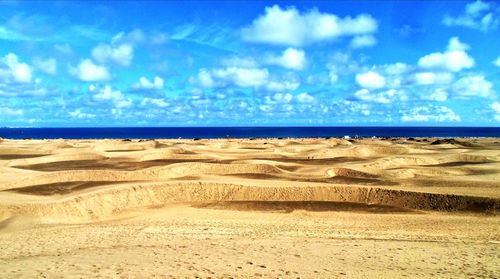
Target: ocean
<point>243,132</point>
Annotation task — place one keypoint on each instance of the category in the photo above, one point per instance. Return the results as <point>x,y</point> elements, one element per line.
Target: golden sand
<point>309,208</point>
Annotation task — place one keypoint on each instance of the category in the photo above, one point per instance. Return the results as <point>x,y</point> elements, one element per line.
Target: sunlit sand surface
<point>308,208</point>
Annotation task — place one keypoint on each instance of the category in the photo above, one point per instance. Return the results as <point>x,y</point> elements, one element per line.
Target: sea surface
<point>244,132</point>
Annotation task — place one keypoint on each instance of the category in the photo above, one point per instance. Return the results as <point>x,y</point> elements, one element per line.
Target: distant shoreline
<point>248,132</point>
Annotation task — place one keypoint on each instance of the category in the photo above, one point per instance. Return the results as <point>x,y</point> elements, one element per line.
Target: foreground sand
<point>304,208</point>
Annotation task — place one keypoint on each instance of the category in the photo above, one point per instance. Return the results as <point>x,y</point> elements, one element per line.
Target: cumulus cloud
<point>88,71</point>
<point>454,59</point>
<point>383,97</point>
<point>243,77</point>
<point>305,98</point>
<point>81,115</point>
<point>108,94</point>
<point>497,62</point>
<point>284,85</point>
<point>478,15</point>
<point>10,111</point>
<point>289,26</point>
<point>48,66</point>
<point>496,108</point>
<point>204,79</point>
<point>155,102</point>
<point>121,54</point>
<point>13,70</point>
<point>473,86</point>
<point>438,95</point>
<point>291,58</point>
<point>428,78</point>
<point>363,41</point>
<point>370,80</point>
<point>283,97</point>
<point>430,113</point>
<point>146,84</point>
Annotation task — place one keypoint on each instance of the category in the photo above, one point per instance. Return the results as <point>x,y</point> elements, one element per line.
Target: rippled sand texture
<point>309,208</point>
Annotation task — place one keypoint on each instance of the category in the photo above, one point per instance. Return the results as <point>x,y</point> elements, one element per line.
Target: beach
<point>232,208</point>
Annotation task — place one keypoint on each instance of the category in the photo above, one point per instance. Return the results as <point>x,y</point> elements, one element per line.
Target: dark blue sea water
<point>245,132</point>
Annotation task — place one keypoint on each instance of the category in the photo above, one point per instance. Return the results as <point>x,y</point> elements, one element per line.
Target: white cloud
<point>12,70</point>
<point>285,85</point>
<point>370,80</point>
<point>48,66</point>
<point>430,113</point>
<point>88,71</point>
<point>243,77</point>
<point>10,112</point>
<point>496,108</point>
<point>108,94</point>
<point>478,15</point>
<point>81,115</point>
<point>154,101</point>
<point>291,58</point>
<point>472,86</point>
<point>384,97</point>
<point>397,68</point>
<point>305,98</point>
<point>124,103</point>
<point>143,83</point>
<point>497,62</point>
<point>290,27</point>
<point>134,36</point>
<point>121,54</point>
<point>333,77</point>
<point>428,78</point>
<point>265,108</point>
<point>205,79</point>
<point>454,44</point>
<point>363,41</point>
<point>453,59</point>
<point>438,95</point>
<point>283,97</point>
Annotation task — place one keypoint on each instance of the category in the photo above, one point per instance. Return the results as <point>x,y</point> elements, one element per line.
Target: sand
<point>308,208</point>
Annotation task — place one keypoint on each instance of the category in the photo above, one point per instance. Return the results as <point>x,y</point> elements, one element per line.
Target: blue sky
<point>165,63</point>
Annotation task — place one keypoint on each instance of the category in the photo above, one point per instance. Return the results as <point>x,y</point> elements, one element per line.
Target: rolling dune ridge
<point>125,201</point>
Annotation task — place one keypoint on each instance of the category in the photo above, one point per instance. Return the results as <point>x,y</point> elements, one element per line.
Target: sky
<point>244,63</point>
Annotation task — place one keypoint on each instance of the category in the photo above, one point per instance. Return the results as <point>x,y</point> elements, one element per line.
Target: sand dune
<point>362,168</point>
<point>117,185</point>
